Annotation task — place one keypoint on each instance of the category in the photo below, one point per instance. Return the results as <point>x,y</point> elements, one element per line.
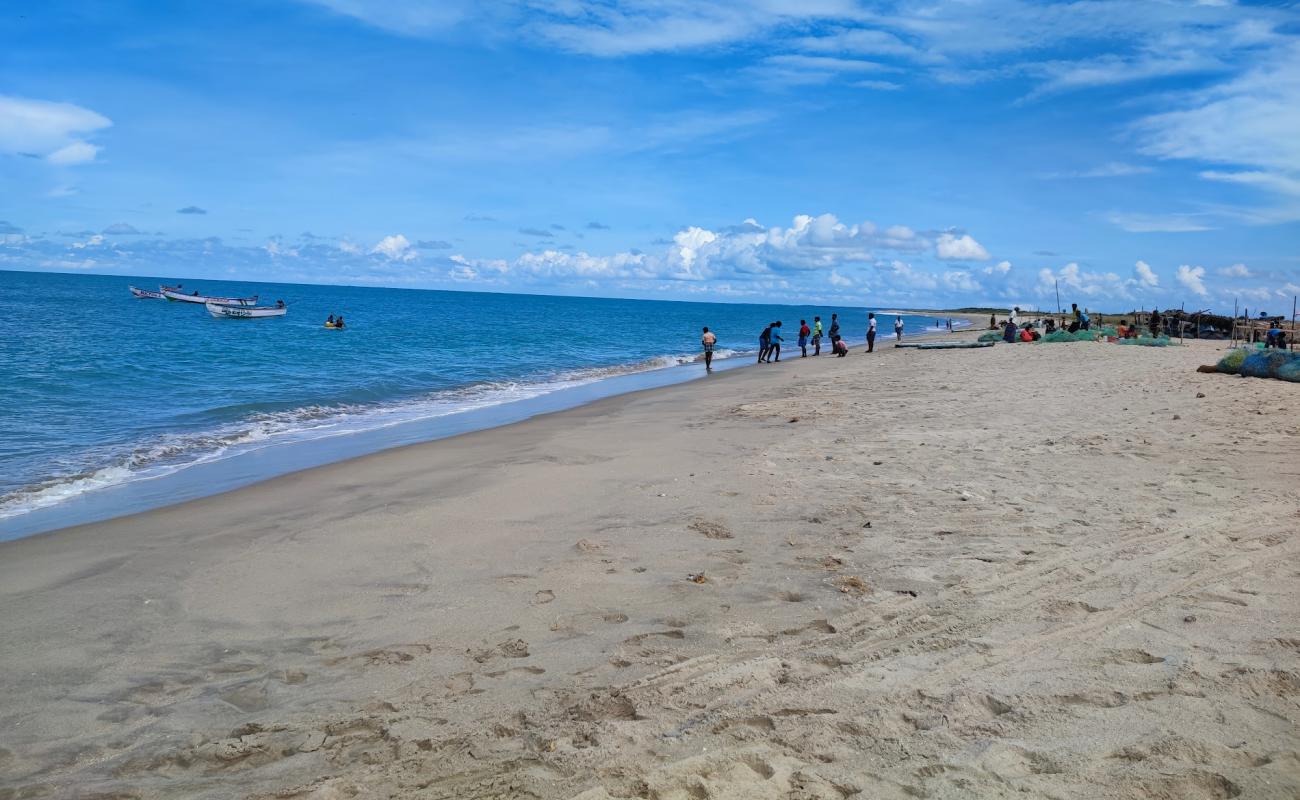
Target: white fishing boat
<point>173,294</point>
<point>145,294</point>
<point>245,312</point>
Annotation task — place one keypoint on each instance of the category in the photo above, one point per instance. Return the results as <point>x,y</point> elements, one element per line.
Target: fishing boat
<point>173,294</point>
<point>244,312</point>
<point>145,294</point>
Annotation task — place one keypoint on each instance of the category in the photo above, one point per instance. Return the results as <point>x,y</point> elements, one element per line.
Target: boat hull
<point>201,299</point>
<point>222,311</point>
<point>145,294</point>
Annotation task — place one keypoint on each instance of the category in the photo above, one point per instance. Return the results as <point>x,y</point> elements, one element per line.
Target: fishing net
<point>1148,341</point>
<point>1231,363</point>
<point>1066,336</point>
<point>990,336</point>
<point>1109,330</point>
<point>1266,363</point>
<point>1290,371</point>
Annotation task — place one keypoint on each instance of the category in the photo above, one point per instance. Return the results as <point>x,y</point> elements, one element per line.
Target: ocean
<point>109,401</point>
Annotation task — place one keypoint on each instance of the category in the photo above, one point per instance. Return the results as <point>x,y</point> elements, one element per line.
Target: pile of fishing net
<point>1279,364</point>
<point>990,336</point>
<point>1109,330</point>
<point>1066,336</point>
<point>1148,341</point>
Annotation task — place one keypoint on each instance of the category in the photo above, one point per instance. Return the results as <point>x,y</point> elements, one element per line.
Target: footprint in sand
<point>543,597</point>
<point>711,530</point>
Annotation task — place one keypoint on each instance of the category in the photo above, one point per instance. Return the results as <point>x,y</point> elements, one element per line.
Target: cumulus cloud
<point>1236,271</point>
<point>122,229</point>
<point>960,248</point>
<point>1074,279</point>
<point>433,244</point>
<point>191,210</point>
<point>394,248</point>
<point>901,273</point>
<point>1144,275</point>
<point>960,281</point>
<point>56,132</point>
<point>1191,279</point>
<point>1000,268</point>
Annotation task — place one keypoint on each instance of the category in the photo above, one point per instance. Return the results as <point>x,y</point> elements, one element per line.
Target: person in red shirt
<point>804,333</point>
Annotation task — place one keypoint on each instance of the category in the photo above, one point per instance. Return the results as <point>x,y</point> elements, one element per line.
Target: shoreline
<point>248,467</point>
<point>903,596</point>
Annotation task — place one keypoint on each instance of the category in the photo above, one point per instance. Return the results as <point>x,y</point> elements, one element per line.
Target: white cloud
<point>275,248</point>
<point>960,281</point>
<point>1160,223</point>
<point>903,274</point>
<point>1282,184</point>
<point>1190,278</point>
<point>1236,271</point>
<point>75,153</point>
<point>1074,280</point>
<point>349,247</point>
<point>1144,275</point>
<point>1113,169</point>
<point>836,279</point>
<point>1249,121</point>
<point>1000,268</point>
<point>408,17</point>
<point>53,131</point>
<point>395,248</point>
<point>960,248</point>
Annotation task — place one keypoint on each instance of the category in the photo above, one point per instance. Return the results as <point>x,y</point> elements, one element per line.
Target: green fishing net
<point>1231,363</point>
<point>1148,341</point>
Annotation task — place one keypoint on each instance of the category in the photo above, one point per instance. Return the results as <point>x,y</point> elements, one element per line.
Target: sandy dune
<point>1033,571</point>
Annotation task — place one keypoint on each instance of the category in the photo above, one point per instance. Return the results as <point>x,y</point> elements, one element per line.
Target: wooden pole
<point>1291,344</point>
<point>1233,342</point>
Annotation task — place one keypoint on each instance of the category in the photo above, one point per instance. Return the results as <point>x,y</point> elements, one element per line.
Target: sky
<point>913,153</point>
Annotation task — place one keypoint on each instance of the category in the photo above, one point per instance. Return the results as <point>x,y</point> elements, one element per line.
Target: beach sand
<point>1032,571</point>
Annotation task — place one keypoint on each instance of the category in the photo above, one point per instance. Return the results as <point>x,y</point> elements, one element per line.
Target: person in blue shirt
<point>776,342</point>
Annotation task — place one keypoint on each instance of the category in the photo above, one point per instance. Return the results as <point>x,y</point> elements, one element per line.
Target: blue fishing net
<point>1266,363</point>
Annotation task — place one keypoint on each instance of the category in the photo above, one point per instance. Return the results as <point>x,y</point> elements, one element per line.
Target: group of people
<point>334,322</point>
<point>770,340</point>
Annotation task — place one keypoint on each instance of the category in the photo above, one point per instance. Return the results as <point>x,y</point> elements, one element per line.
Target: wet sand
<point>908,582</point>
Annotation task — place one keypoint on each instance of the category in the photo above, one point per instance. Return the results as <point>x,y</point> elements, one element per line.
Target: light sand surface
<point>918,584</point>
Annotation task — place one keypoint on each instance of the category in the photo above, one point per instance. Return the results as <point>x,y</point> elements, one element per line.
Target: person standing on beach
<point>708,340</point>
<point>1155,323</point>
<point>871,332</point>
<point>765,343</point>
<point>898,328</point>
<point>817,336</point>
<point>775,340</point>
<point>804,333</point>
<point>835,329</point>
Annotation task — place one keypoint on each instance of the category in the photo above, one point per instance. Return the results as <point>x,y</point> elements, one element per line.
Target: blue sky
<point>896,153</point>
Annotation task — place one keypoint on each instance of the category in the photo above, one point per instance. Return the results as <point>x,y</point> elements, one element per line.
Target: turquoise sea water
<point>103,389</point>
